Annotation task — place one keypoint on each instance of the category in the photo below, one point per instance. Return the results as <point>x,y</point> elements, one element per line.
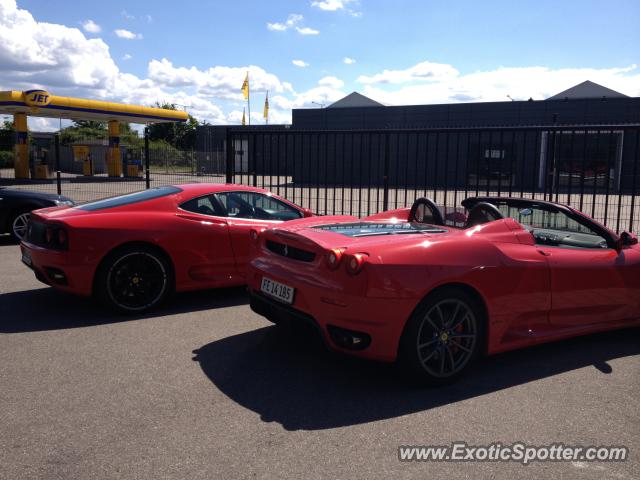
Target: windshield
<point>367,229</point>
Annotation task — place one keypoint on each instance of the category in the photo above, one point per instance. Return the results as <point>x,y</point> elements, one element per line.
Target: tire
<point>134,279</point>
<point>18,224</point>
<point>443,337</point>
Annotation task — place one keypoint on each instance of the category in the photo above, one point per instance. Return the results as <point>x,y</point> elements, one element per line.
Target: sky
<point>310,53</point>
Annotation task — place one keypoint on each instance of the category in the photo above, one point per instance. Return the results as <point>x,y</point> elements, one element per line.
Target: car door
<point>206,243</point>
<point>246,211</point>
<point>590,280</point>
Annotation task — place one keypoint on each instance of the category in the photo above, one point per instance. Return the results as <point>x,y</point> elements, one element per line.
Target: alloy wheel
<point>136,281</point>
<point>19,225</point>
<point>447,338</point>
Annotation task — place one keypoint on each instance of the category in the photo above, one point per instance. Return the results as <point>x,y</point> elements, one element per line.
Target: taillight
<point>56,237</point>
<point>334,257</point>
<point>355,262</point>
<point>253,234</point>
<point>62,236</point>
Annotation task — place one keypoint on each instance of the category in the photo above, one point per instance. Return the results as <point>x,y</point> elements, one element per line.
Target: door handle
<point>543,253</point>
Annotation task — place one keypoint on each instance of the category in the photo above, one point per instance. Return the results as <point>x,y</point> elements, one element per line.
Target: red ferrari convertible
<point>404,285</point>
<point>133,250</point>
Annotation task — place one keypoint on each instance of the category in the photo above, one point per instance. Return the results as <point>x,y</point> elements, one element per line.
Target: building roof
<point>587,89</point>
<point>355,99</point>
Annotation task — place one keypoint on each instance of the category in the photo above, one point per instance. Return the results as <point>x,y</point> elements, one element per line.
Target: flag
<point>245,87</point>
<point>244,122</point>
<point>265,113</point>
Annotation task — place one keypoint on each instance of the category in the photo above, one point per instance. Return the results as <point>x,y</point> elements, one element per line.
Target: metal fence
<point>594,168</point>
<point>54,169</point>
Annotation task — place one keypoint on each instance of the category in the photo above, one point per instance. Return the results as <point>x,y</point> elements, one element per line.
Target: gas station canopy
<point>39,103</point>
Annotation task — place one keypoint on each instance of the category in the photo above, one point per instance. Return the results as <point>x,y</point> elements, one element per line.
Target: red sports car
<point>133,250</point>
<point>404,285</point>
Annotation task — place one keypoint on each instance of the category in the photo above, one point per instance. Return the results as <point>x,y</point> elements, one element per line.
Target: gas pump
<point>132,166</point>
<point>81,153</point>
<point>40,166</point>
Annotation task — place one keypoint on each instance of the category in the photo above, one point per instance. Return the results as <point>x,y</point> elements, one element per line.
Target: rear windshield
<point>368,229</point>
<point>130,198</point>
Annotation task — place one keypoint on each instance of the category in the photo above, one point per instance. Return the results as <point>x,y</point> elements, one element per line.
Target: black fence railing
<point>593,168</point>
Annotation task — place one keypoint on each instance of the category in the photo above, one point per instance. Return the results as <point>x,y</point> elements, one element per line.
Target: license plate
<point>277,290</point>
<point>26,258</point>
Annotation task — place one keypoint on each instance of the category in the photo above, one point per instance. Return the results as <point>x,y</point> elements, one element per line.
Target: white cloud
<point>39,53</point>
<point>126,34</point>
<point>127,15</point>
<point>300,63</point>
<point>348,61</point>
<point>149,18</point>
<point>446,85</point>
<point>335,5</point>
<point>307,31</point>
<point>420,72</point>
<point>332,82</point>
<point>127,56</point>
<point>218,81</point>
<point>293,21</point>
<point>276,27</point>
<point>91,26</point>
<point>330,5</point>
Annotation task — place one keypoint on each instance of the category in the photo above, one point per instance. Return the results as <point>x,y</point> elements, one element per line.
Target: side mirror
<point>628,239</point>
<point>306,212</point>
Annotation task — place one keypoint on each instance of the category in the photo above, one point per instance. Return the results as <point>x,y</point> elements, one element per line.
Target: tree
<point>91,124</point>
<point>7,135</point>
<point>180,135</point>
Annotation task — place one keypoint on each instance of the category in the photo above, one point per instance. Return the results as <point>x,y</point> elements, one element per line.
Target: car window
<point>554,228</point>
<point>256,205</point>
<point>130,198</point>
<point>206,205</point>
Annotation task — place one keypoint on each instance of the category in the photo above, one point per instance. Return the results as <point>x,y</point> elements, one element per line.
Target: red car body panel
<point>206,251</point>
<point>532,294</point>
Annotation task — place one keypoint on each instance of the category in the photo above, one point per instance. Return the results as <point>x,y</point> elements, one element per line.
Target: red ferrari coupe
<point>133,250</point>
<point>404,285</point>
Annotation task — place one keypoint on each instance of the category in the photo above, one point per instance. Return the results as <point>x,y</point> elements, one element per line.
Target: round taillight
<point>333,258</point>
<point>62,236</point>
<point>355,262</point>
<point>49,234</point>
<point>254,235</point>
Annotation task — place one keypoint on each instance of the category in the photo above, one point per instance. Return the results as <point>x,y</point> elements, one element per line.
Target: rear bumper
<point>375,323</point>
<point>64,270</point>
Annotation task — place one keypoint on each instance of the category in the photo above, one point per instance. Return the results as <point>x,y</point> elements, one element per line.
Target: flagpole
<point>249,97</point>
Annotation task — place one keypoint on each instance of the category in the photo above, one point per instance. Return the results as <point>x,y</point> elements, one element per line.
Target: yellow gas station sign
<point>36,98</point>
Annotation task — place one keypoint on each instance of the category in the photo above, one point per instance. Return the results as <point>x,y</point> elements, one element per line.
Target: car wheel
<point>134,279</point>
<point>18,224</point>
<point>443,337</point>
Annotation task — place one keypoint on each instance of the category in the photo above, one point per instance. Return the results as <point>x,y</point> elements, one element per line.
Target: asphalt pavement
<point>205,388</point>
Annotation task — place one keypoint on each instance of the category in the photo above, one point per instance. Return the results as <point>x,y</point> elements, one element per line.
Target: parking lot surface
<point>204,388</point>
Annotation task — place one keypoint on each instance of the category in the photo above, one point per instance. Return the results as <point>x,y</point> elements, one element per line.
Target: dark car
<point>16,207</point>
